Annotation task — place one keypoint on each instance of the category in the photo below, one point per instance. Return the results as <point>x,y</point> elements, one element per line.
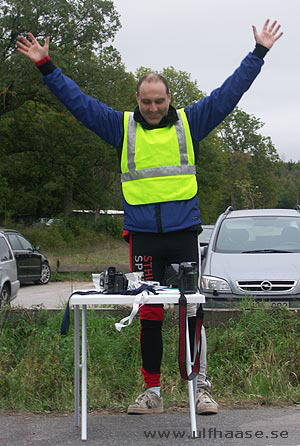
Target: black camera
<point>112,282</point>
<point>183,276</point>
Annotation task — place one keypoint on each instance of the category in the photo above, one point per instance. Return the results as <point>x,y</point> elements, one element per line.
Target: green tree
<point>289,184</point>
<point>211,172</point>
<point>251,162</point>
<point>250,196</point>
<point>52,163</point>
<point>84,26</point>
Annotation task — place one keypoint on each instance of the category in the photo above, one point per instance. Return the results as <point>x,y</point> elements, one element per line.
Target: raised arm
<point>269,34</point>
<point>95,115</point>
<point>33,49</point>
<point>207,113</point>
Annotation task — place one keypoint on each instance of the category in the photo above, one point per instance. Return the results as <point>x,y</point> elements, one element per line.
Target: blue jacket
<point>203,116</point>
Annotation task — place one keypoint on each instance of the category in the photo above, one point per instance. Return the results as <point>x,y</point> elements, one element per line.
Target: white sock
<point>155,390</point>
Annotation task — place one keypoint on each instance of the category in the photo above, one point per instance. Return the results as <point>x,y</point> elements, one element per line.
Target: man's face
<point>153,101</point>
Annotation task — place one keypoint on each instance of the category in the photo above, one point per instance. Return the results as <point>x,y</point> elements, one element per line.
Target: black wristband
<point>47,68</point>
<point>260,50</point>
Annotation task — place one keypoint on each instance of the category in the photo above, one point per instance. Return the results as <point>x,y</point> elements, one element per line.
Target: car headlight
<point>210,283</point>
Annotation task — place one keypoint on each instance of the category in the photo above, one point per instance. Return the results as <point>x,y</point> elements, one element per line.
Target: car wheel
<point>46,274</point>
<point>5,295</point>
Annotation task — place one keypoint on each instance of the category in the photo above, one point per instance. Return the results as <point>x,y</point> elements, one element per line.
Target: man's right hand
<point>33,49</point>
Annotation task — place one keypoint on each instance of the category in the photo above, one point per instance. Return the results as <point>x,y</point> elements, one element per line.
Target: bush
<point>73,232</point>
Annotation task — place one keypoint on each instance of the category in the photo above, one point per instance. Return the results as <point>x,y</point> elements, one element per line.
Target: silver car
<point>9,283</point>
<point>253,255</point>
<point>204,236</point>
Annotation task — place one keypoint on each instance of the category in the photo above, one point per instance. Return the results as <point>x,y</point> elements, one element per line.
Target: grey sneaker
<point>147,402</point>
<point>205,405</point>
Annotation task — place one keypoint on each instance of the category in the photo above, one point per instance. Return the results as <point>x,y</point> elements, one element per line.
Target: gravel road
<point>50,296</point>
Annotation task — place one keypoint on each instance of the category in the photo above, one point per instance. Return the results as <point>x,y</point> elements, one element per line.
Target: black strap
<point>65,324</point>
<point>182,340</point>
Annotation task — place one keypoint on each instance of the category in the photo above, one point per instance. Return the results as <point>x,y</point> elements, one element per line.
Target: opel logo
<point>266,285</point>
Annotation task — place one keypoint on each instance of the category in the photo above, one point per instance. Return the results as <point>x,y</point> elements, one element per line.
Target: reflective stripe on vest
<point>147,176</point>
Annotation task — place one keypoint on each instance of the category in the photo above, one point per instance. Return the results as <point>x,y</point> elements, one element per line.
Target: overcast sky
<point>208,39</point>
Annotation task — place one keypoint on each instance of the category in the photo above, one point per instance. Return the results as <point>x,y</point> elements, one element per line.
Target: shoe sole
<point>207,411</point>
<point>136,411</point>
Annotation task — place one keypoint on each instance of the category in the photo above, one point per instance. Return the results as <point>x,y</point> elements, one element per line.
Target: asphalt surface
<point>268,426</point>
<point>256,427</point>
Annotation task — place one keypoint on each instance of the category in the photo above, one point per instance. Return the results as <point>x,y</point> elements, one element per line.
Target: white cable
<point>140,299</point>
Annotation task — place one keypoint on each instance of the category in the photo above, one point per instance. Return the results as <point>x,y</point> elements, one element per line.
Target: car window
<point>14,241</point>
<point>18,242</point>
<point>259,233</point>
<point>5,253</point>
<point>25,243</point>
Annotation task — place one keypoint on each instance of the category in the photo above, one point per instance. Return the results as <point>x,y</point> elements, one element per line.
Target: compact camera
<point>183,276</point>
<point>112,282</point>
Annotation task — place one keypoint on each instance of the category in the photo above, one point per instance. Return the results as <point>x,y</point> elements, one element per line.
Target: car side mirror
<point>203,251</point>
<point>36,248</point>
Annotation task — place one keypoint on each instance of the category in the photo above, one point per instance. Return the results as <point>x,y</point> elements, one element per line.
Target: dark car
<point>32,265</point>
<point>9,284</point>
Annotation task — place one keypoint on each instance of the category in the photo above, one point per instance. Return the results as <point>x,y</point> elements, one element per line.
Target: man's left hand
<point>269,35</point>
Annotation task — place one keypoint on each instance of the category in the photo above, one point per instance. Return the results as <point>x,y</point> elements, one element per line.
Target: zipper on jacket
<point>158,217</point>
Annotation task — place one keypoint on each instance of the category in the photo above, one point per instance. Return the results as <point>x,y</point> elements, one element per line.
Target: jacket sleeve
<point>106,122</point>
<point>206,114</point>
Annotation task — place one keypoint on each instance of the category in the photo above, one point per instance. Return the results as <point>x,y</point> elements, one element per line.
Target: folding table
<point>77,300</point>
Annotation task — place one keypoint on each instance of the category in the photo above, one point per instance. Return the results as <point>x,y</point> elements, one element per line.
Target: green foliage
<point>51,164</point>
<point>184,91</point>
<point>36,371</point>
<point>250,196</point>
<point>289,184</point>
<point>211,175</point>
<point>110,225</point>
<point>54,164</point>
<point>254,359</point>
<point>76,241</point>
<point>257,358</point>
<point>87,25</point>
<point>251,162</point>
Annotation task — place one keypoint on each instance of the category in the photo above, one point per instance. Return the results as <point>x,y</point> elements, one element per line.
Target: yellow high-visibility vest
<point>157,165</point>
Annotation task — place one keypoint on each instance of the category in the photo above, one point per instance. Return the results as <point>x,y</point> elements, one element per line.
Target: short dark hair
<point>152,77</point>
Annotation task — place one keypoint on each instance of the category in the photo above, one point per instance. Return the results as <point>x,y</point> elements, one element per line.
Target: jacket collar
<point>169,119</point>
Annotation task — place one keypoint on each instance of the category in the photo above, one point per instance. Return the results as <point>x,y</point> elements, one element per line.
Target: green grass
<point>96,252</point>
<point>258,357</point>
<point>255,359</point>
<point>77,244</point>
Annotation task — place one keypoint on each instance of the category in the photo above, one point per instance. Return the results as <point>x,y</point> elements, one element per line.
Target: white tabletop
<point>168,296</point>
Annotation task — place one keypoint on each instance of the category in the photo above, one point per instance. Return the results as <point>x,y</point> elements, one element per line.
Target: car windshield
<point>259,234</point>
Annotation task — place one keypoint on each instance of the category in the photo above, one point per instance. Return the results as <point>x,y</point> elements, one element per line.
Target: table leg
<point>195,388</point>
<point>83,377</point>
<point>76,365</point>
<point>191,386</point>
